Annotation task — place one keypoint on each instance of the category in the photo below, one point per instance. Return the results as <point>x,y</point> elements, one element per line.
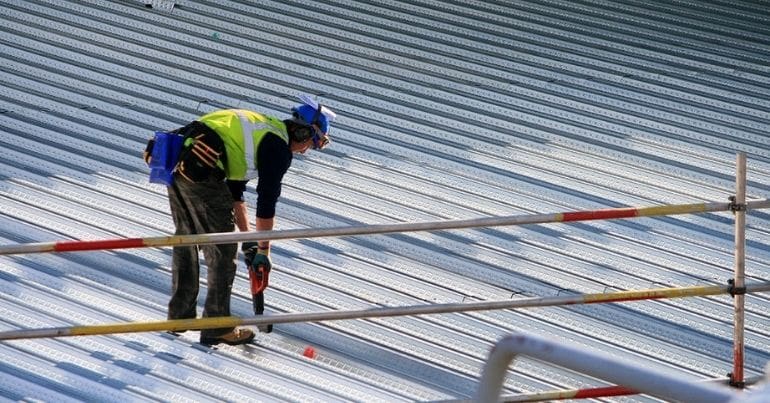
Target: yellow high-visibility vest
<point>242,130</point>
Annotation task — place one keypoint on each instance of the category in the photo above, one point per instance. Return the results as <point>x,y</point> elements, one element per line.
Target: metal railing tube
<point>232,237</point>
<point>739,210</point>
<point>668,386</point>
<point>379,312</point>
<point>597,392</point>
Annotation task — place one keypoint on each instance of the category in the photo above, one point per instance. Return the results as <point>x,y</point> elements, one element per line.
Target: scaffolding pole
<point>739,209</point>
<point>233,237</point>
<point>669,386</point>
<point>233,321</point>
<point>594,393</point>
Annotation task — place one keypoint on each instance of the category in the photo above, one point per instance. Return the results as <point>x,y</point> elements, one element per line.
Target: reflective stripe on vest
<point>248,128</point>
<point>250,143</point>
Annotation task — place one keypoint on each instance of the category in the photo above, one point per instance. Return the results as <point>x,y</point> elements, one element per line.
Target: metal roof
<point>446,110</point>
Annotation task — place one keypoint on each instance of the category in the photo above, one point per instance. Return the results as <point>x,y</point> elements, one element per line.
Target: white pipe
<point>671,387</point>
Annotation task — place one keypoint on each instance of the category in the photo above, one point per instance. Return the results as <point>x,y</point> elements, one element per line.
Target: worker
<point>222,151</point>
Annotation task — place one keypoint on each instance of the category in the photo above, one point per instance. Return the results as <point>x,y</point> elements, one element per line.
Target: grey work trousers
<point>198,208</point>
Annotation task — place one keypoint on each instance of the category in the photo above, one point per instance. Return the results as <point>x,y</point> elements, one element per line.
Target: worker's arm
<point>265,224</point>
<point>240,212</point>
<point>273,160</point>
<point>241,216</point>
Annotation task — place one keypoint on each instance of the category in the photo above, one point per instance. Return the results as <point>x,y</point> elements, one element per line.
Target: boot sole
<point>215,341</point>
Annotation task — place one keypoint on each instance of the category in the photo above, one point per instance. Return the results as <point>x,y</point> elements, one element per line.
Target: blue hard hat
<point>310,115</point>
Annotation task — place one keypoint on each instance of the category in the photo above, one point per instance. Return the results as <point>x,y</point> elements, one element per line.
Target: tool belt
<point>196,152</point>
<point>203,155</point>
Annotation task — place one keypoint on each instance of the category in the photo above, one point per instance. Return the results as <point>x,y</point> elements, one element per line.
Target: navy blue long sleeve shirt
<point>273,160</point>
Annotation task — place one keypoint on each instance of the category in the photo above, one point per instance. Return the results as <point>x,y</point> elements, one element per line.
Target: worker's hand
<point>262,259</point>
<point>255,257</point>
<point>259,265</point>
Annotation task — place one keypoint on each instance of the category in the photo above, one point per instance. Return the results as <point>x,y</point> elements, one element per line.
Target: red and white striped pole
<point>232,237</point>
<point>598,392</point>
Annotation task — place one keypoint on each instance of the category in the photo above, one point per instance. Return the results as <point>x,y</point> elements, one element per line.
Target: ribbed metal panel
<point>447,110</point>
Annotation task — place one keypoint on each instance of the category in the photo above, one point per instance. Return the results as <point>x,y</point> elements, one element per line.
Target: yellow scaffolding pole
<point>232,321</point>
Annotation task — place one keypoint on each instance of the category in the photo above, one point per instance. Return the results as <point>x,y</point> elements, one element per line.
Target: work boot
<point>234,338</point>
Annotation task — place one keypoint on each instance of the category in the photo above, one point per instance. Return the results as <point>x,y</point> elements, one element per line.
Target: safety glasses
<point>320,139</point>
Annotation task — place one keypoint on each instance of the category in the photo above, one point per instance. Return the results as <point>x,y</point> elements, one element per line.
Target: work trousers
<point>198,208</point>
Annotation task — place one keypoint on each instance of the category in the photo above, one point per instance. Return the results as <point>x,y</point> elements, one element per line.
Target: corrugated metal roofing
<point>447,110</point>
